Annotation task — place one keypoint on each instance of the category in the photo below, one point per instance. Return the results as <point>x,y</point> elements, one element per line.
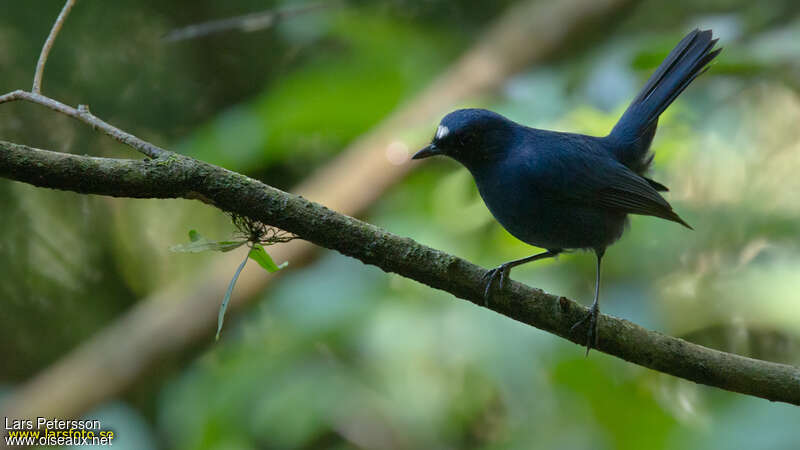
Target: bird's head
<point>471,137</point>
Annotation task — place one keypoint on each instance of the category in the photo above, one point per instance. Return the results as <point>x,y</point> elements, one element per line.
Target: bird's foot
<point>499,274</point>
<point>591,334</point>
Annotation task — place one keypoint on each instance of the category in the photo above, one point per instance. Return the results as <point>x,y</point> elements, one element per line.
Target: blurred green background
<point>340,355</point>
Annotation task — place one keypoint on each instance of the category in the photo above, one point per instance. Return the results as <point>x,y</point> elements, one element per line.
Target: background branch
<point>245,23</point>
<point>182,177</point>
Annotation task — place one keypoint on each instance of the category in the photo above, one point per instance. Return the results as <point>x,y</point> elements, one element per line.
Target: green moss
<point>171,159</point>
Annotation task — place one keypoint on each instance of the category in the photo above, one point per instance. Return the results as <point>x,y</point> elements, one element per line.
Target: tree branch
<point>83,114</point>
<point>183,177</point>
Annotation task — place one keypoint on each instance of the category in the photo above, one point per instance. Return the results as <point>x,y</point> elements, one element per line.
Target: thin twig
<point>245,23</point>
<point>48,44</point>
<point>83,114</point>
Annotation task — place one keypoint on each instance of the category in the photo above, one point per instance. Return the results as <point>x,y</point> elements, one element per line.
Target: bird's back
<point>539,192</point>
<point>565,190</point>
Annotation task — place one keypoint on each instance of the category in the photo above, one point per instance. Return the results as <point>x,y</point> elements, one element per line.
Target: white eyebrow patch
<point>442,131</point>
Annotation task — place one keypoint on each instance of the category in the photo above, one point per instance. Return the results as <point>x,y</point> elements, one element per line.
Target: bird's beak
<point>430,150</point>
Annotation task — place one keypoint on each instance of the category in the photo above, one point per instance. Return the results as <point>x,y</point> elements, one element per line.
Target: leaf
<point>198,244</point>
<point>225,300</point>
<point>207,246</point>
<point>259,255</point>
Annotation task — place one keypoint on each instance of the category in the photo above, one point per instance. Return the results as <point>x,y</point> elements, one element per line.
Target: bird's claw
<point>591,334</point>
<point>491,276</point>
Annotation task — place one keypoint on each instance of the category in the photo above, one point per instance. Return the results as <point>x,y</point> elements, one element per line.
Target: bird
<point>564,191</point>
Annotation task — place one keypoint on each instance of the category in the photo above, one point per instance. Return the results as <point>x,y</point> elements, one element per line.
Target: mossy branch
<point>177,176</point>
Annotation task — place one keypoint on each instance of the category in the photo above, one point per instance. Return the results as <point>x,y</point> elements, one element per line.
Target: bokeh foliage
<point>341,355</point>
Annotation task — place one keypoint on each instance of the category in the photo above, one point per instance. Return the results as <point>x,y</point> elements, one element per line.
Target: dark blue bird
<point>561,191</point>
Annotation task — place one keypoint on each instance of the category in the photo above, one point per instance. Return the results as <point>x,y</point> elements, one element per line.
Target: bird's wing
<point>656,185</point>
<point>580,173</point>
<point>623,190</point>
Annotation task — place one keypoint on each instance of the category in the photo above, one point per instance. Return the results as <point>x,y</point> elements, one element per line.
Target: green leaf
<point>207,246</point>
<point>198,243</point>
<point>225,300</point>
<point>259,255</point>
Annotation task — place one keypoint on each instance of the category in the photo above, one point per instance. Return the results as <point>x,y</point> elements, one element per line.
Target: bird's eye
<point>442,131</point>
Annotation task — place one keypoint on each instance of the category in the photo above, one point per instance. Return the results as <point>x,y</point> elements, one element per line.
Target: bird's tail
<point>636,127</point>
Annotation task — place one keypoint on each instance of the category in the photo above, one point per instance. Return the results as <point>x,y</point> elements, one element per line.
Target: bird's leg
<point>594,310</point>
<point>501,272</point>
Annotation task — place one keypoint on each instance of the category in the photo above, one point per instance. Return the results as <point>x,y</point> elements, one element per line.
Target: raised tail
<point>633,133</point>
